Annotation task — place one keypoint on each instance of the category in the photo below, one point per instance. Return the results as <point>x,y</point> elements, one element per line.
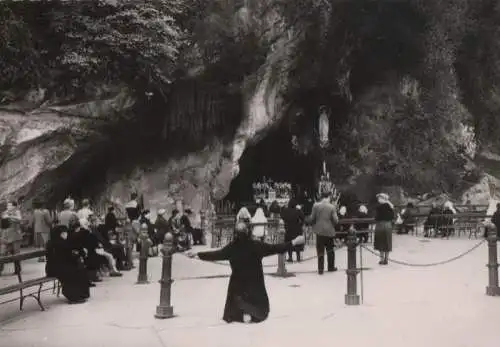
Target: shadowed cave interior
<point>274,158</point>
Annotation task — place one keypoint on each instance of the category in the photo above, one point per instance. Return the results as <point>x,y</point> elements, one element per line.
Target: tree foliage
<point>133,42</point>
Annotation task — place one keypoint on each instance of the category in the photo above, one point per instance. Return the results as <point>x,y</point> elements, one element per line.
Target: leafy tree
<point>132,42</point>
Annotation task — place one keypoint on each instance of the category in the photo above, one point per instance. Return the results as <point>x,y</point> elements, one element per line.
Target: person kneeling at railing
<point>247,299</point>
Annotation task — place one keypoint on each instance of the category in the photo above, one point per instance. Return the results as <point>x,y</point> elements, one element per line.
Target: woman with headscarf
<point>293,218</point>
<point>260,224</point>
<point>247,299</point>
<point>64,262</point>
<point>384,217</point>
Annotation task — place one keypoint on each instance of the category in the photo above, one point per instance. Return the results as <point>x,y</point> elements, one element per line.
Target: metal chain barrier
<point>400,262</point>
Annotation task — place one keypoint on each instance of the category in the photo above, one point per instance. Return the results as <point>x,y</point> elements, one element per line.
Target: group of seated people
<point>81,250</point>
<point>178,224</point>
<point>439,221</point>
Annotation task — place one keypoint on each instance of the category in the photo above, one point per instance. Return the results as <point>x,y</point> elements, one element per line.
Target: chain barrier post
<point>142,277</point>
<point>281,271</point>
<point>492,289</point>
<point>352,297</point>
<point>165,309</point>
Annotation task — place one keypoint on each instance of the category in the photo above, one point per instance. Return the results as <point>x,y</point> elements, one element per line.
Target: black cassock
<point>246,292</point>
<point>64,263</point>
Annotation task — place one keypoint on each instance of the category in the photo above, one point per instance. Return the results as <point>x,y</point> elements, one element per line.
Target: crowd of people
<point>325,221</point>
<point>82,247</point>
<point>247,299</point>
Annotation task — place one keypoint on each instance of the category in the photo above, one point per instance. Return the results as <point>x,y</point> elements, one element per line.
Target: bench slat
<point>22,256</point>
<point>26,284</point>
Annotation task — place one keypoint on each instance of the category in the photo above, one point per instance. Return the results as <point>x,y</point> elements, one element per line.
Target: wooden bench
<point>463,223</point>
<point>22,285</point>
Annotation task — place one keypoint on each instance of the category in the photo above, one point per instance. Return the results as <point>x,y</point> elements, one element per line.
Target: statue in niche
<point>323,127</point>
<point>294,129</point>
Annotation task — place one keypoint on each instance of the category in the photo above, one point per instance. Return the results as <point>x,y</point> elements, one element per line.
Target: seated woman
<point>247,299</point>
<point>65,263</point>
<point>112,250</point>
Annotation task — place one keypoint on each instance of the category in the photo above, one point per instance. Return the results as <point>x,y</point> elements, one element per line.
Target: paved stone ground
<point>442,306</point>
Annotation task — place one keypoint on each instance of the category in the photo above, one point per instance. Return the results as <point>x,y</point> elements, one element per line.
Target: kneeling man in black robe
<point>247,299</point>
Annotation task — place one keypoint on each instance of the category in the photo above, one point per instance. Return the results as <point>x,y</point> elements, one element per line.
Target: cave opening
<point>274,158</point>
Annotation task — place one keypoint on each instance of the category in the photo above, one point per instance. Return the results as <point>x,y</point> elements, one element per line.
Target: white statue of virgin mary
<point>324,127</point>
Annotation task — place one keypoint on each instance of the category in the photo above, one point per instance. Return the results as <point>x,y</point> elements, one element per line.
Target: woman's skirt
<point>383,237</point>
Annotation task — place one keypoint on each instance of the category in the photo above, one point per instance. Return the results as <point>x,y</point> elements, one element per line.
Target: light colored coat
<point>41,221</point>
<point>67,218</point>
<point>323,218</point>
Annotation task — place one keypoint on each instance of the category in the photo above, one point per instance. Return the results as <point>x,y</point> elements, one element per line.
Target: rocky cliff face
<point>38,141</point>
<point>48,150</point>
<point>200,177</point>
<point>44,147</point>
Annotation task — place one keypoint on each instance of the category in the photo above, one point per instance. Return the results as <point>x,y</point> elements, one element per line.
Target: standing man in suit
<point>323,219</point>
